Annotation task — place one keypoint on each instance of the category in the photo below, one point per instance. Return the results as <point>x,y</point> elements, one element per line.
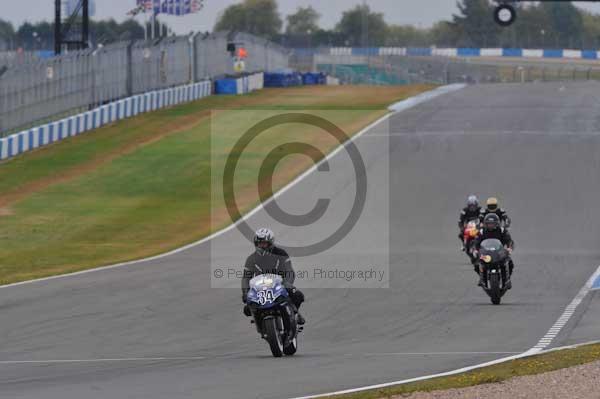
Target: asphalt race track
<point>158,330</point>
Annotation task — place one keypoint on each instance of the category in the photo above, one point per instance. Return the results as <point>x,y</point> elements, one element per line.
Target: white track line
<point>160,359</point>
<point>539,347</point>
<point>438,353</point>
<point>126,359</point>
<point>569,311</point>
<point>397,107</point>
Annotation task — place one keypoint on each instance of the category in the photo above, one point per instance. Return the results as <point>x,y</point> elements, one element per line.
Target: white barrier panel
<point>256,81</point>
<point>331,81</point>
<point>36,137</point>
<point>572,54</point>
<point>392,51</point>
<point>55,131</point>
<point>341,51</point>
<point>491,52</point>
<point>445,52</point>
<point>533,53</point>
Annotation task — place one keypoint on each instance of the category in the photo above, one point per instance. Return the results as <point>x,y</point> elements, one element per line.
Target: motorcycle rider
<point>469,212</point>
<point>270,259</point>
<point>491,206</point>
<point>492,229</point>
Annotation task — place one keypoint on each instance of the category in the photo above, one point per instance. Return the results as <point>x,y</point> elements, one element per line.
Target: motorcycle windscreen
<point>493,248</point>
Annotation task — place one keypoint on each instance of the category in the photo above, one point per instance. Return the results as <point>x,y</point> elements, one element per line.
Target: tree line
<point>40,35</point>
<point>539,25</point>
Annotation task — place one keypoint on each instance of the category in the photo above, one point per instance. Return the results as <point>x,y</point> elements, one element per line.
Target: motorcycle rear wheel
<point>291,348</point>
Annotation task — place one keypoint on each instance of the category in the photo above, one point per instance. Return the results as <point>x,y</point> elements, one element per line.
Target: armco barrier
<point>466,52</point>
<point>241,85</point>
<point>49,133</point>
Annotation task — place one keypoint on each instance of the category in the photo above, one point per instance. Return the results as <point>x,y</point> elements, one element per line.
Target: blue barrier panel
<point>45,54</point>
<point>365,50</point>
<point>10,146</point>
<point>310,78</point>
<point>279,79</point>
<point>512,52</point>
<point>21,143</point>
<point>418,51</point>
<point>468,52</point>
<point>31,139</point>
<point>551,53</point>
<point>589,54</point>
<point>226,86</point>
<point>313,78</point>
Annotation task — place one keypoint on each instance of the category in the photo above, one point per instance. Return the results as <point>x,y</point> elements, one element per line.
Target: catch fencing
<point>398,69</point>
<point>34,91</point>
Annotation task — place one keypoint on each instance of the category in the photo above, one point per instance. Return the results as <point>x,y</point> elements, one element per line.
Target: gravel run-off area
<point>579,382</point>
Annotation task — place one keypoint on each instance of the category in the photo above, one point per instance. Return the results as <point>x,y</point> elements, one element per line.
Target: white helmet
<point>263,240</point>
<point>472,202</point>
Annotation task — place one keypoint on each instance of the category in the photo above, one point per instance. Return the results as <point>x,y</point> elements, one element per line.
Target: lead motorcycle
<point>274,314</point>
<point>493,258</point>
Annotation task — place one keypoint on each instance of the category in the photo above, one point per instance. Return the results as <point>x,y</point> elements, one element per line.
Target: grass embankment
<point>492,374</point>
<point>142,186</point>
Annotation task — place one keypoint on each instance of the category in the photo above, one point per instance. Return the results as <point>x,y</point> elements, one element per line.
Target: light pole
<point>543,32</point>
<point>35,39</point>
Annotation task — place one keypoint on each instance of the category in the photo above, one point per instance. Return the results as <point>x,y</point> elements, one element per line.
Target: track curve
<point>157,330</point>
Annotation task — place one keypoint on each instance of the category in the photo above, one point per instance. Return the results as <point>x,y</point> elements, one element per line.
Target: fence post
<point>193,60</point>
<point>129,77</point>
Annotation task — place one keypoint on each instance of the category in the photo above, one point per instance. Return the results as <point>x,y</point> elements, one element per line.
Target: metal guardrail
<point>35,90</point>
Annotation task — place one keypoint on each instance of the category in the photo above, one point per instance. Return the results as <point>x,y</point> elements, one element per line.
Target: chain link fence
<point>33,91</point>
<point>443,70</point>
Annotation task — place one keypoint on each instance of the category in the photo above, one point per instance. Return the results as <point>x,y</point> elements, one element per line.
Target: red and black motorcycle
<point>470,233</point>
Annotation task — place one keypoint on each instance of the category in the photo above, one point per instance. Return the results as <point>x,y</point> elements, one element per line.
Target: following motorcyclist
<point>469,212</point>
<point>492,229</point>
<point>491,206</point>
<point>269,259</point>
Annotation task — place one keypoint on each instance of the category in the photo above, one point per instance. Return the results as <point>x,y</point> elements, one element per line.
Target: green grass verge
<point>537,364</point>
<point>143,186</point>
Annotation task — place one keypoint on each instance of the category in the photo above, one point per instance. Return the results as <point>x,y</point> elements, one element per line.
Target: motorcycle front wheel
<point>274,338</point>
<point>495,296</point>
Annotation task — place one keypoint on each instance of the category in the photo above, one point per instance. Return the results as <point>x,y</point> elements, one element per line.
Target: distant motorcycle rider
<point>269,259</point>
<point>469,212</point>
<point>491,206</point>
<point>493,230</point>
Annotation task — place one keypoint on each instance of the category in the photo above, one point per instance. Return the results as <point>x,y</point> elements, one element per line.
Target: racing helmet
<point>491,222</point>
<point>472,203</point>
<point>263,240</point>
<point>492,204</point>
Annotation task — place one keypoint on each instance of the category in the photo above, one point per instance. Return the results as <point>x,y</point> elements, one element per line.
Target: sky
<point>416,12</point>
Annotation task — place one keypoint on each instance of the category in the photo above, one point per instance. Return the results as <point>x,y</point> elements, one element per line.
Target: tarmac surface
<point>157,329</point>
